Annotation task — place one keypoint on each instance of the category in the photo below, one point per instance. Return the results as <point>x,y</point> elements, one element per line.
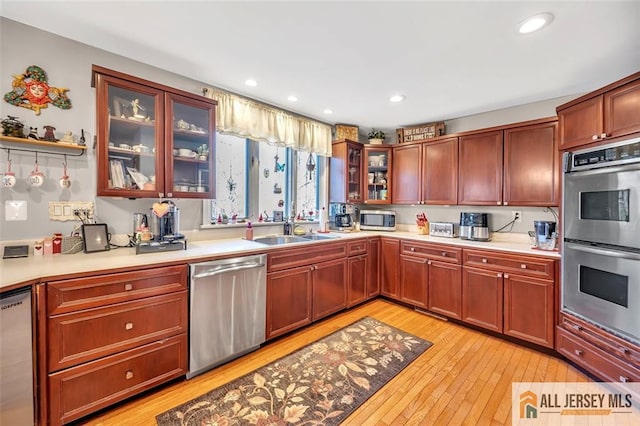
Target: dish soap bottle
<point>249,232</point>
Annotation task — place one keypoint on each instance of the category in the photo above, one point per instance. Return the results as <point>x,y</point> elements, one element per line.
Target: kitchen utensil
<point>64,181</point>
<point>9,178</point>
<point>36,178</point>
<point>474,226</point>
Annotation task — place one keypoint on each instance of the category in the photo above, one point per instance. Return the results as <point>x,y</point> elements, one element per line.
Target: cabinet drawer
<point>86,335</point>
<point>357,247</point>
<point>81,390</point>
<point>82,293</point>
<point>524,265</point>
<point>292,257</point>
<point>593,359</point>
<point>597,337</point>
<point>432,251</point>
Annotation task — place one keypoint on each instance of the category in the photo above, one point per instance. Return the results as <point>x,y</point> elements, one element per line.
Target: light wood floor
<point>464,378</point>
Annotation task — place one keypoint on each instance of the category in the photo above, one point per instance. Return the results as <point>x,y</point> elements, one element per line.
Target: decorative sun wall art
<point>31,90</point>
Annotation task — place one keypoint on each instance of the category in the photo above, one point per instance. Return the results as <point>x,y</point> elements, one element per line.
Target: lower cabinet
<point>414,276</point>
<point>389,267</point>
<point>373,267</point>
<point>288,300</point>
<point>329,288</point>
<point>528,309</point>
<point>358,278</point>
<point>482,298</point>
<point>107,337</point>
<point>445,289</point>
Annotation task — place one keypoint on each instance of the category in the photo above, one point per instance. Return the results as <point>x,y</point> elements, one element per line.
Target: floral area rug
<point>320,384</point>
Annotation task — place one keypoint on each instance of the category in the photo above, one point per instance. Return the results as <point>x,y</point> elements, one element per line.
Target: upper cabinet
<point>604,114</point>
<point>515,166</point>
<point>153,141</point>
<point>346,172</point>
<point>426,173</point>
<point>377,164</point>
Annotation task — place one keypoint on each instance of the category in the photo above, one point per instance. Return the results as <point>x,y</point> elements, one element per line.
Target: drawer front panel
<point>292,257</point>
<point>87,335</point>
<point>526,265</point>
<point>83,293</point>
<point>432,251</point>
<point>81,390</point>
<point>593,359</point>
<point>357,247</point>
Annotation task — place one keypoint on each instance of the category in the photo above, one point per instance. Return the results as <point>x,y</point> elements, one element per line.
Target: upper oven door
<point>601,205</point>
<point>603,286</point>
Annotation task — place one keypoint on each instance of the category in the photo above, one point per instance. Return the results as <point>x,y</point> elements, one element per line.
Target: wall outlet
<point>66,210</point>
<point>516,215</point>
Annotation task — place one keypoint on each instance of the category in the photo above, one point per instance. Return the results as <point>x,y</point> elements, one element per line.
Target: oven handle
<point>604,170</point>
<point>603,252</point>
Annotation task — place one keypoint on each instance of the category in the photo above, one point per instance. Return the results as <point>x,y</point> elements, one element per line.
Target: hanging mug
<point>36,178</point>
<point>9,178</point>
<point>64,181</point>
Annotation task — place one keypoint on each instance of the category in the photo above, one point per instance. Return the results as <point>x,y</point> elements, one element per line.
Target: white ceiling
<point>450,58</point>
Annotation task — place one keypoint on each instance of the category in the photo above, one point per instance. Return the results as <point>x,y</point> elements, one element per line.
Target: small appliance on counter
<point>378,220</point>
<point>442,229</point>
<point>545,234</point>
<point>342,216</point>
<point>163,233</point>
<point>474,226</point>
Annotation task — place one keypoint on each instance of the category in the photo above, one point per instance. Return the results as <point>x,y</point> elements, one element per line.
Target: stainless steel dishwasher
<point>227,310</point>
<point>16,365</point>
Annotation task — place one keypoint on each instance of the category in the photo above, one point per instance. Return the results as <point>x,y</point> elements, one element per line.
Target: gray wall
<point>68,64</point>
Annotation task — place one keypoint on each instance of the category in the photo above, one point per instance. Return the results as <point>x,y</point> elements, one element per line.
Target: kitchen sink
<point>315,237</point>
<point>280,239</point>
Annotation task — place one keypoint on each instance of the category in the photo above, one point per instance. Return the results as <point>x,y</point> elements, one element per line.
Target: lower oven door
<point>603,287</point>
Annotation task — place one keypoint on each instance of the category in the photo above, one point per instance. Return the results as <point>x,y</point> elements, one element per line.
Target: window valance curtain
<point>245,118</point>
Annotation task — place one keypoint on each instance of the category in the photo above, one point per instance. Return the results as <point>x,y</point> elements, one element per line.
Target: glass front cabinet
<point>377,160</point>
<point>152,141</point>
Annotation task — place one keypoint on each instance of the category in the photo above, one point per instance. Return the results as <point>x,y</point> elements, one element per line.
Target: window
<point>255,178</point>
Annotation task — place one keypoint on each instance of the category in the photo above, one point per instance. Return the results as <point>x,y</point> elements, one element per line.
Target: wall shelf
<point>31,145</point>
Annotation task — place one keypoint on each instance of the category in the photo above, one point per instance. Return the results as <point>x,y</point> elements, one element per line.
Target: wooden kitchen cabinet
<point>346,172</point>
<point>358,271</point>
<point>373,267</point>
<point>152,140</point>
<point>289,300</point>
<point>378,174</point>
<point>106,337</point>
<point>531,166</point>
<point>329,288</point>
<point>389,267</point>
<point>445,289</point>
<point>606,113</point>
<point>510,294</point>
<point>414,276</point>
<point>480,169</point>
<point>407,174</point>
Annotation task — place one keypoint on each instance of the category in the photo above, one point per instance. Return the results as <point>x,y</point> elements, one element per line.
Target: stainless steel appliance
<point>601,248</point>
<point>378,220</point>
<point>165,222</point>
<point>474,226</point>
<point>16,362</point>
<point>442,229</point>
<point>227,310</point>
<point>545,234</point>
<point>342,216</point>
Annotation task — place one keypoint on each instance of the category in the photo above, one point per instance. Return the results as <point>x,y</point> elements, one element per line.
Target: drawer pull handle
<point>523,266</point>
<point>499,275</point>
<point>594,137</point>
<point>484,260</point>
<point>625,351</point>
<point>444,254</point>
<point>128,375</point>
<point>413,249</point>
<point>624,379</point>
<point>128,326</point>
<point>576,327</point>
<point>578,352</point>
<point>604,135</point>
<point>428,262</point>
<point>506,276</point>
<point>128,287</point>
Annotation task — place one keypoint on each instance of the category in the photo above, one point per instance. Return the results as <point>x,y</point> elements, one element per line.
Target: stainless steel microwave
<point>378,220</point>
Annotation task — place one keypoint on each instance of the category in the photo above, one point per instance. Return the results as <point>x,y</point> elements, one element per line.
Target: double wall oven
<point>601,247</point>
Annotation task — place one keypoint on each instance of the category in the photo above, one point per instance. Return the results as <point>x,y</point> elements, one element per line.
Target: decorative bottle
<point>249,232</point>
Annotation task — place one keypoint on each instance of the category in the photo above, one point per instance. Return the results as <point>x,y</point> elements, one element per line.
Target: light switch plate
<point>15,210</point>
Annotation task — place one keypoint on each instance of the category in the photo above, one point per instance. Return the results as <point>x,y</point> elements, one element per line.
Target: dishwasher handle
<point>228,268</point>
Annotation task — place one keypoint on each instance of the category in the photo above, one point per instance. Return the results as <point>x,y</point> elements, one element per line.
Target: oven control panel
<point>609,155</point>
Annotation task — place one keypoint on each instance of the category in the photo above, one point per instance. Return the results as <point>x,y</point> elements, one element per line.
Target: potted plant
<point>376,136</point>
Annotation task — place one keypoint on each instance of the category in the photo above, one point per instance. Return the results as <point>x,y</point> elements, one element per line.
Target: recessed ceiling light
<point>292,98</point>
<point>251,83</point>
<point>397,98</point>
<point>328,111</point>
<point>535,22</point>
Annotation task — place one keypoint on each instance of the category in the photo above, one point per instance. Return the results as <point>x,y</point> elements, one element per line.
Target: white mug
<point>35,179</point>
<point>9,180</point>
<point>64,181</point>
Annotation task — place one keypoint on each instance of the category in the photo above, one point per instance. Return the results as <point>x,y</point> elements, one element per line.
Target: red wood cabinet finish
<point>580,123</point>
<point>289,300</point>
<point>329,288</point>
<point>373,267</point>
<point>389,267</point>
<point>531,166</point>
<point>358,277</point>
<point>445,289</point>
<point>346,172</point>
<point>622,110</point>
<point>528,309</point>
<point>414,275</point>
<point>482,300</point>
<point>480,169</point>
<point>407,177</point>
<point>440,172</point>
<point>378,164</point>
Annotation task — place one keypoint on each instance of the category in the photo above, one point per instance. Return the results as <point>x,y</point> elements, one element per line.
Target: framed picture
<point>95,237</point>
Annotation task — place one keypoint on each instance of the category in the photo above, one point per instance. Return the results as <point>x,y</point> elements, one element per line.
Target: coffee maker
<point>474,226</point>
<point>342,216</point>
<point>164,229</point>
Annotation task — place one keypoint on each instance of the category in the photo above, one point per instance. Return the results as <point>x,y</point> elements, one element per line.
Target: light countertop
<point>35,268</point>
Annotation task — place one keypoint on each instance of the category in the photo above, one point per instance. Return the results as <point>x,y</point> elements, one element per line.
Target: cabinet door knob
<point>428,262</point>
<point>484,260</point>
<point>506,203</point>
<point>523,266</point>
<point>444,254</point>
<point>128,287</point>
<point>499,275</point>
<point>624,379</point>
<point>594,137</point>
<point>604,135</point>
<point>506,276</point>
<point>161,194</point>
<point>170,194</point>
<point>578,352</point>
<point>413,249</point>
<point>498,203</point>
<point>128,326</point>
<point>128,375</point>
